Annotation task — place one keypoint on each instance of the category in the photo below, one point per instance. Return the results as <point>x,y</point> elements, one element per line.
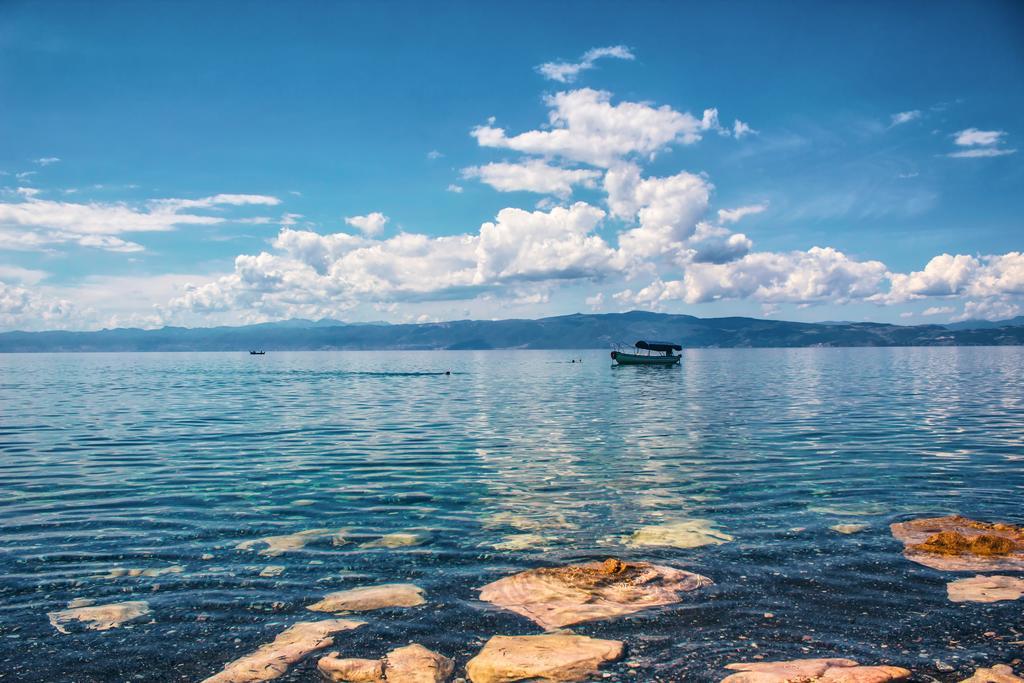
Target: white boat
<point>658,353</point>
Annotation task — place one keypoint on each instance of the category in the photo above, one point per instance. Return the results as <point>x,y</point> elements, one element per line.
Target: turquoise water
<point>153,460</point>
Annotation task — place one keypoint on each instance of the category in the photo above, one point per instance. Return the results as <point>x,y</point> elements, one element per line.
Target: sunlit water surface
<point>152,460</point>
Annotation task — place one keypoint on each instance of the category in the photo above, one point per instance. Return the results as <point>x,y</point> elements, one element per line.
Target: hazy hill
<point>561,332</point>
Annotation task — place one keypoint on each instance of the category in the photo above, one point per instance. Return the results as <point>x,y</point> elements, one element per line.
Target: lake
<point>515,460</point>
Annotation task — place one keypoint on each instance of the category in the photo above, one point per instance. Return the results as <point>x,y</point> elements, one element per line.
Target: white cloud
<point>47,161</point>
<point>938,310</point>
<point>434,154</point>
<point>989,310</point>
<point>532,175</point>
<point>982,153</point>
<point>714,244</point>
<point>734,215</point>
<point>741,129</point>
<point>993,284</point>
<point>24,308</point>
<point>972,136</point>
<point>584,126</point>
<point>370,224</point>
<point>566,72</point>
<point>24,276</point>
<point>35,224</point>
<point>905,117</point>
<point>667,209</point>
<point>320,275</point>
<point>595,302</point>
<point>817,275</point>
<point>457,189</point>
<point>943,275</point>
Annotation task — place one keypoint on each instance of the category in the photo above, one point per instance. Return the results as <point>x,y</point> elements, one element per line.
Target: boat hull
<point>636,359</point>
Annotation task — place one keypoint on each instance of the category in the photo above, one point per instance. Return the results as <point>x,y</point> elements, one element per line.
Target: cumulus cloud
<point>905,117</point>
<point>47,161</point>
<point>584,126</point>
<point>532,175</point>
<point>34,223</point>
<point>667,209</point>
<point>315,274</point>
<point>567,72</point>
<point>457,189</point>
<point>25,308</point>
<point>370,224</point>
<point>993,284</point>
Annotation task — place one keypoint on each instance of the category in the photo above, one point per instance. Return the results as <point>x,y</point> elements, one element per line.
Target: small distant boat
<point>257,353</point>
<point>658,353</point>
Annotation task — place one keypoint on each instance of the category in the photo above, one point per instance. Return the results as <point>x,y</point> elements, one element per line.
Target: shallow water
<point>152,460</point>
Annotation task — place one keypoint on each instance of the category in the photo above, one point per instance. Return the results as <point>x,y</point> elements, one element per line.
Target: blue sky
<point>209,163</point>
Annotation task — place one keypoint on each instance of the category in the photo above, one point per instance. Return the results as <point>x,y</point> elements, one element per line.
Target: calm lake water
<point>152,460</point>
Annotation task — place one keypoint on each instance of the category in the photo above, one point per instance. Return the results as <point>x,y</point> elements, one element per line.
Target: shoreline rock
<point>553,597</point>
<point>272,660</point>
<point>830,670</point>
<point>410,664</point>
<point>548,657</point>
<point>955,543</point>
<point>985,589</point>
<point>1000,673</point>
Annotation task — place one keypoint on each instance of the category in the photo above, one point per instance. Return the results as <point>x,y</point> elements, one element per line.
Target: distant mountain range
<point>561,332</point>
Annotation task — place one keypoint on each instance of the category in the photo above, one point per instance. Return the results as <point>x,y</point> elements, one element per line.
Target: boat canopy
<point>665,347</point>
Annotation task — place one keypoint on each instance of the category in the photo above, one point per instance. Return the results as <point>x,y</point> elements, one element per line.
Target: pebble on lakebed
<point>985,589</point>
<point>548,657</point>
<point>272,660</point>
<point>956,543</point>
<point>410,664</point>
<point>371,597</point>
<point>553,597</point>
<point>813,670</point>
<point>848,528</point>
<point>99,617</point>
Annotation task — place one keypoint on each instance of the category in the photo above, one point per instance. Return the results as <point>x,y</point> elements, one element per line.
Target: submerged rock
<point>813,670</point>
<point>273,659</point>
<point>371,597</point>
<point>559,596</point>
<point>692,533</point>
<point>985,589</point>
<point>272,570</point>
<point>549,657</point>
<point>848,528</point>
<point>276,545</point>
<point>522,522</point>
<point>1000,673</point>
<point>99,617</point>
<point>349,670</point>
<point>523,542</point>
<point>118,572</point>
<point>956,543</point>
<point>410,664</point>
<point>416,664</point>
<point>396,540</point>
